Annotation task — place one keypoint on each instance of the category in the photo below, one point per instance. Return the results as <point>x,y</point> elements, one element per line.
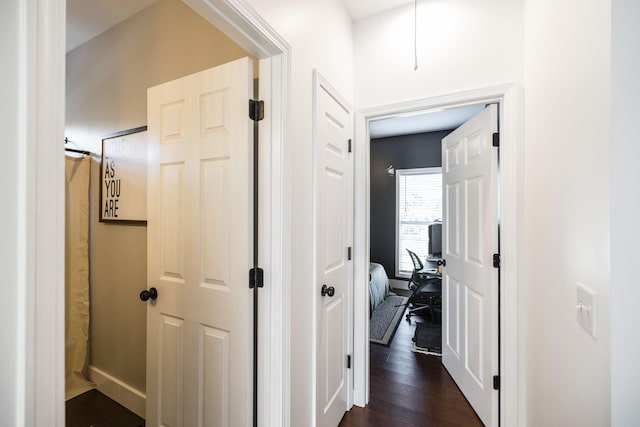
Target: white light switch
<point>587,309</point>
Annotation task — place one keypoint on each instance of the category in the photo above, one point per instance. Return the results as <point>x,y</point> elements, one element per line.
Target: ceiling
<point>361,9</point>
<point>88,18</point>
<point>423,122</point>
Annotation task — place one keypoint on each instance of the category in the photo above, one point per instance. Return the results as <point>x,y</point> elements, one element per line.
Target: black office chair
<point>426,287</point>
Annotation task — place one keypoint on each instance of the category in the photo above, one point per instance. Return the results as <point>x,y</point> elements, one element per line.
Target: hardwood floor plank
<point>410,389</point>
<point>97,410</point>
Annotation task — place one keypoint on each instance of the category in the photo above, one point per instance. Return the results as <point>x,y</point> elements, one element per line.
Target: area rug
<point>428,339</point>
<point>385,319</point>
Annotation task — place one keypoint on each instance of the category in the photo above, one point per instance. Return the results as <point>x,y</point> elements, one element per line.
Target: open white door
<point>200,249</point>
<point>470,281</point>
<point>333,131</point>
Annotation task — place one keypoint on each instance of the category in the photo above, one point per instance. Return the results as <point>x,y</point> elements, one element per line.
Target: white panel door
<point>200,237</point>
<point>333,236</point>
<point>469,281</point>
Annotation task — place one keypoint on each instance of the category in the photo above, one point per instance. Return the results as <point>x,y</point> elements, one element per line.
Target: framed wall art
<point>123,177</point>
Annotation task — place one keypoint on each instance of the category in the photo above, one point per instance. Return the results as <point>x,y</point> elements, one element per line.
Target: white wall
<point>567,210</point>
<point>625,212</point>
<point>462,45</point>
<point>560,51</point>
<point>319,33</point>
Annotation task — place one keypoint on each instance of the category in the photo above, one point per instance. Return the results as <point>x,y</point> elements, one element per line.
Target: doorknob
<point>152,293</point>
<point>327,290</point>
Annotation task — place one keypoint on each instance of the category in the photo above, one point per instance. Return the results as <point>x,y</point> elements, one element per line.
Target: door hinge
<point>496,139</point>
<point>256,278</point>
<point>349,253</point>
<point>496,382</point>
<point>496,260</point>
<point>348,361</point>
<point>349,146</point>
<point>256,110</point>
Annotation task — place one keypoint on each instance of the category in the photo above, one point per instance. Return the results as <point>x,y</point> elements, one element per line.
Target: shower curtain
<point>77,175</point>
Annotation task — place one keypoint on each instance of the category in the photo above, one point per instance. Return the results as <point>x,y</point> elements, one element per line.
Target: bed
<point>379,285</point>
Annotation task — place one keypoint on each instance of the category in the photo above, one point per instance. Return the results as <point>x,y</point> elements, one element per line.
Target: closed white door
<point>333,236</point>
<point>470,281</point>
<point>200,237</point>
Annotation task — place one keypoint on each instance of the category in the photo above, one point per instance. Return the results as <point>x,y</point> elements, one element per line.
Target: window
<point>418,203</point>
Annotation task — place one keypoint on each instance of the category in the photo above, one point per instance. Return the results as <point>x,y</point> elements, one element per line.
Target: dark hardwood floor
<point>94,409</point>
<point>410,389</point>
<point>407,390</point>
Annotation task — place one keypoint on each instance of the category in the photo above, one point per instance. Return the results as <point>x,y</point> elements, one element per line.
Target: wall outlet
<point>586,308</point>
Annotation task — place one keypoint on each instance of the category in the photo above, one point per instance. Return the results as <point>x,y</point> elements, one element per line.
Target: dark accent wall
<point>421,150</point>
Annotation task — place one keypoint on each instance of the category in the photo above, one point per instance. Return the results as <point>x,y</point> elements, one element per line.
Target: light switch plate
<point>586,308</point>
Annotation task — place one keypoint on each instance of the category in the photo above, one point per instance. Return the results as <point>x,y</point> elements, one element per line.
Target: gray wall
<point>422,150</point>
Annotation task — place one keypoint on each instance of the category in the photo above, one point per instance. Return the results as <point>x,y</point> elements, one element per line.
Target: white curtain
<point>77,176</point>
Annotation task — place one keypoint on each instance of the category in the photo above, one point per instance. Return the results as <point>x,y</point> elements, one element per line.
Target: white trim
<point>398,174</point>
<point>244,26</point>
<point>43,127</point>
<point>238,21</point>
<point>361,362</point>
<point>43,65</point>
<point>511,188</point>
<point>273,251</point>
<point>126,395</point>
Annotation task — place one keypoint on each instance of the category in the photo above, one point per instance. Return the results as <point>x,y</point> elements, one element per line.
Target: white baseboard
<point>129,397</point>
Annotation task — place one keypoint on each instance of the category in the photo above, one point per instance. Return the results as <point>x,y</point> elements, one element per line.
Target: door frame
<point>511,185</point>
<point>40,386</point>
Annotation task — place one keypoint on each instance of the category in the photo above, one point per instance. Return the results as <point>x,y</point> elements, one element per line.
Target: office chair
<point>426,287</point>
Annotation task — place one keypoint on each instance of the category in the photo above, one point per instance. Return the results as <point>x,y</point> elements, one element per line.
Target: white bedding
<point>379,286</point>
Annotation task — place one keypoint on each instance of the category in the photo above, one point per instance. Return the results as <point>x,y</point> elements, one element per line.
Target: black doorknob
<point>327,290</point>
<point>146,295</point>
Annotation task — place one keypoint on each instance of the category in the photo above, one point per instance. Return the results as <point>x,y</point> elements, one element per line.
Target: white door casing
<point>470,281</point>
<point>200,248</point>
<point>333,217</point>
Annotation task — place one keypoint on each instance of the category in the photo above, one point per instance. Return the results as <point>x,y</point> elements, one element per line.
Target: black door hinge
<point>256,110</point>
<point>496,382</point>
<point>496,260</point>
<point>256,278</point>
<point>348,361</point>
<point>349,146</point>
<point>496,139</point>
<point>349,253</point>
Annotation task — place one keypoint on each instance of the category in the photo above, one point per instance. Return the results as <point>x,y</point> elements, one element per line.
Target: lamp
<point>390,170</point>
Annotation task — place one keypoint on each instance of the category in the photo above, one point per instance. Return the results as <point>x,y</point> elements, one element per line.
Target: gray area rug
<point>385,319</point>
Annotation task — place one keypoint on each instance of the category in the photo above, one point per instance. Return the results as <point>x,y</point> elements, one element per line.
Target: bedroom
<point>405,196</point>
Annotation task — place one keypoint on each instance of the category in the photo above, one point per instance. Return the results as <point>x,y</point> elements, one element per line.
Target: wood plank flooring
<point>407,390</point>
<point>410,389</point>
<point>94,409</point>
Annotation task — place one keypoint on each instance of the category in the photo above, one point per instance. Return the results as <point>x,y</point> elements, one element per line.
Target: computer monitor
<point>435,240</point>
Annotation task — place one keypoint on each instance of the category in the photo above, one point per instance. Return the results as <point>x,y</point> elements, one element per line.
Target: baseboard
<point>129,397</point>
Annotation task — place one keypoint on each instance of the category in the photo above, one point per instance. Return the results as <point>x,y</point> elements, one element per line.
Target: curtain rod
<point>73,150</point>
